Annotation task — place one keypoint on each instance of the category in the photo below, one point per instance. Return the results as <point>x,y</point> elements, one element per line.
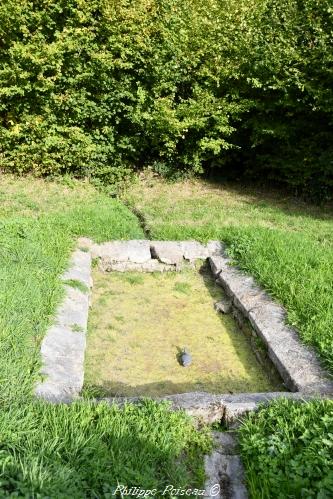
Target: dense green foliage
<point>79,450</point>
<point>287,450</point>
<point>95,87</point>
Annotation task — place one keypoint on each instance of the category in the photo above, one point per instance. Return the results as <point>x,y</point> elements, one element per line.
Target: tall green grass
<point>86,449</point>
<point>82,450</point>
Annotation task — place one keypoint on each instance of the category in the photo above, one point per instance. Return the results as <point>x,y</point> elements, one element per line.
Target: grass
<point>286,244</point>
<point>139,324</point>
<point>81,450</point>
<point>86,450</point>
<point>287,450</point>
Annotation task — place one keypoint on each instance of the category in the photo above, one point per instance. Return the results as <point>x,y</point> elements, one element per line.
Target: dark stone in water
<point>186,358</point>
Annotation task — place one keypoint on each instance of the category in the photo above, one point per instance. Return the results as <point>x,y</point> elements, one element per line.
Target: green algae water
<point>139,323</point>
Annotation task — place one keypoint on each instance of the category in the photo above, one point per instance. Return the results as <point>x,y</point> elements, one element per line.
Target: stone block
<point>223,306</point>
<point>193,250</point>
<point>63,346</point>
<point>169,252</point>
<point>215,248</point>
<point>79,268</point>
<point>136,251</point>
<point>224,471</point>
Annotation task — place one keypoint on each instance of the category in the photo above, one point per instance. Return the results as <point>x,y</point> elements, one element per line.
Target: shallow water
<point>140,322</point>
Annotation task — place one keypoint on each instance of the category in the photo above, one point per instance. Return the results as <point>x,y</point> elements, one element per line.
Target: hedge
<point>97,87</point>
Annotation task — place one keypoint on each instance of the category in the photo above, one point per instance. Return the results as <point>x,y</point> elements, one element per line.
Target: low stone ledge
<point>145,252</point>
<point>136,251</point>
<point>296,363</point>
<point>211,408</point>
<point>64,344</point>
<point>150,266</point>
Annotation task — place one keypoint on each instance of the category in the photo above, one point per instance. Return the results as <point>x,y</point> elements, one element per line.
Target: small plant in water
<point>76,328</point>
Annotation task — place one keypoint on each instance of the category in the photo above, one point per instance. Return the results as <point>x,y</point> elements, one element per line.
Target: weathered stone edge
<point>149,256</point>
<point>297,364</point>
<point>64,344</point>
<point>210,408</point>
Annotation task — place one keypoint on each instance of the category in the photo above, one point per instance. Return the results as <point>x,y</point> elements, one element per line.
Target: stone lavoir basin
<point>140,322</point>
<point>131,306</point>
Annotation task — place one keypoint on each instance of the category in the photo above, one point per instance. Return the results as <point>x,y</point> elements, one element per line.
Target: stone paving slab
<point>297,364</point>
<point>136,251</point>
<point>224,469</point>
<point>64,344</point>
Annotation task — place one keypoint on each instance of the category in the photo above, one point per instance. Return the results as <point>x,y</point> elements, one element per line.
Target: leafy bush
<point>289,130</point>
<point>287,450</point>
<point>94,87</point>
<point>90,87</point>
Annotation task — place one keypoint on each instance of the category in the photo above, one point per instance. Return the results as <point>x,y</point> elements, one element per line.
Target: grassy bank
<point>81,450</point>
<point>286,244</point>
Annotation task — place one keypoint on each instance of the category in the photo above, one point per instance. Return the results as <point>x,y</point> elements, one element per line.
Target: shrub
<point>289,131</point>
<point>90,87</point>
<point>95,87</point>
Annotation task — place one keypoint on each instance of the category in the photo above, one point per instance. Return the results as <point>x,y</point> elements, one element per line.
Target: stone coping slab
<point>64,345</point>
<point>297,363</point>
<point>210,408</point>
<point>136,251</point>
<point>149,256</point>
<point>224,469</point>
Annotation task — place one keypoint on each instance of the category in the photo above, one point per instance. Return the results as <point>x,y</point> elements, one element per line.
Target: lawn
<point>80,450</point>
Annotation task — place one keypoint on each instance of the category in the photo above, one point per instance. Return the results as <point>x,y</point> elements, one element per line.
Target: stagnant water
<point>139,323</point>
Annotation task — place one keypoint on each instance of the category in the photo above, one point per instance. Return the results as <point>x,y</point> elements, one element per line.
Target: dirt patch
<point>140,322</point>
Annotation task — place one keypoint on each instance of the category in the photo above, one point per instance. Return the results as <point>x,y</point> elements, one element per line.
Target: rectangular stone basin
<point>139,323</point>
